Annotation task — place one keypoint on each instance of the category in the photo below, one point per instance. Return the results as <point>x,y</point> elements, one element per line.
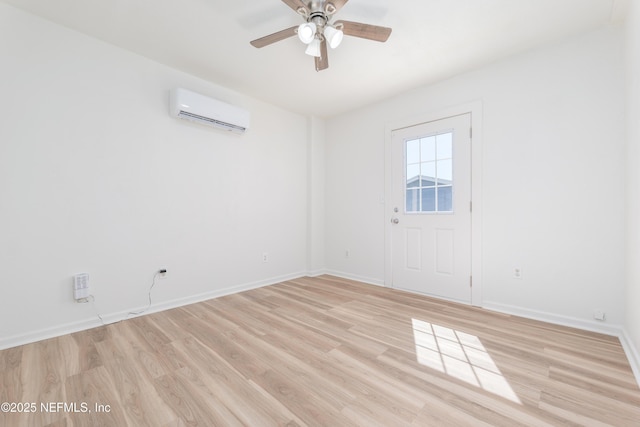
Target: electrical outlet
<point>162,273</point>
<point>599,314</point>
<point>517,273</point>
<point>265,257</point>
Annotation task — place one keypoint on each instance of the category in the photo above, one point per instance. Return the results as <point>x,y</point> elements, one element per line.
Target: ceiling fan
<point>318,30</point>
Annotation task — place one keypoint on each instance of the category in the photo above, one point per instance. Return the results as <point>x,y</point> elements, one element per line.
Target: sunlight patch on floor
<point>461,356</point>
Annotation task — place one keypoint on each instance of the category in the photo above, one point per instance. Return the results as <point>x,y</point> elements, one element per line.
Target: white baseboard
<point>614,330</point>
<point>316,273</point>
<point>93,322</point>
<point>573,322</point>
<point>192,299</point>
<point>632,354</point>
<point>67,328</point>
<point>343,275</point>
<point>52,332</point>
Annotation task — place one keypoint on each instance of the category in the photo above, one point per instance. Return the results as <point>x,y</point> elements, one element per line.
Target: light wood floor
<point>322,351</point>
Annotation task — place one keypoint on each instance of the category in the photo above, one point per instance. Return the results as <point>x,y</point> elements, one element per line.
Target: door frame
<point>475,110</point>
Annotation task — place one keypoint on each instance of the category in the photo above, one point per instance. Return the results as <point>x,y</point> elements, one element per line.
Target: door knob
<point>395,220</point>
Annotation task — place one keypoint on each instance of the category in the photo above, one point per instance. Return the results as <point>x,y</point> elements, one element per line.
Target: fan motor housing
<point>318,18</point>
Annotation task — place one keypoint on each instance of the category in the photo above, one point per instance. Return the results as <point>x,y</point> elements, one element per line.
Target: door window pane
<point>428,149</point>
<point>445,146</point>
<point>445,171</point>
<point>445,199</point>
<point>428,200</point>
<point>413,200</point>
<point>413,151</point>
<point>429,173</point>
<point>413,176</point>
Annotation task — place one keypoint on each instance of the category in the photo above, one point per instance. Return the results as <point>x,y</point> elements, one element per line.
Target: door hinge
<point>470,132</point>
<point>470,206</point>
<point>471,281</point>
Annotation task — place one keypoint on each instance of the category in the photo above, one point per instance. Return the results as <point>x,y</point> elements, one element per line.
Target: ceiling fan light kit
<point>307,32</point>
<point>333,36</point>
<point>318,30</point>
<point>313,48</point>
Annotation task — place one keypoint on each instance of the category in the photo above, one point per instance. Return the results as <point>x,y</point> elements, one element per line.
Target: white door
<point>431,203</point>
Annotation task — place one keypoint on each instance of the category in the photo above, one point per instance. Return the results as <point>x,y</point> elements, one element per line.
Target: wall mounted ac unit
<point>208,111</point>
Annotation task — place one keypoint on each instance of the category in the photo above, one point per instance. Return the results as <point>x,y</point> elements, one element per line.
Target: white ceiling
<point>431,40</point>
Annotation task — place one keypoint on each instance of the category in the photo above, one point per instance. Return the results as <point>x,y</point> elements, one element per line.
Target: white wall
<point>96,177</point>
<point>553,178</point>
<point>316,197</point>
<point>632,324</point>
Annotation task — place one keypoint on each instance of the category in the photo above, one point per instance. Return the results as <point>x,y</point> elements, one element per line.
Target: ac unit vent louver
<point>208,111</point>
<point>209,121</point>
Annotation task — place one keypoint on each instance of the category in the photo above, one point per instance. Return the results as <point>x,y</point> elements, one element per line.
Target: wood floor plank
<point>88,355</point>
<point>303,402</point>
<point>137,396</point>
<point>594,406</point>
<point>324,351</point>
<point>190,400</point>
<point>95,388</point>
<point>231,387</point>
<point>603,386</point>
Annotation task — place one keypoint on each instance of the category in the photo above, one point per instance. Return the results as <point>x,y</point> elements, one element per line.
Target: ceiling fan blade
<point>275,37</point>
<point>298,6</point>
<point>365,31</point>
<point>333,6</point>
<point>322,61</point>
